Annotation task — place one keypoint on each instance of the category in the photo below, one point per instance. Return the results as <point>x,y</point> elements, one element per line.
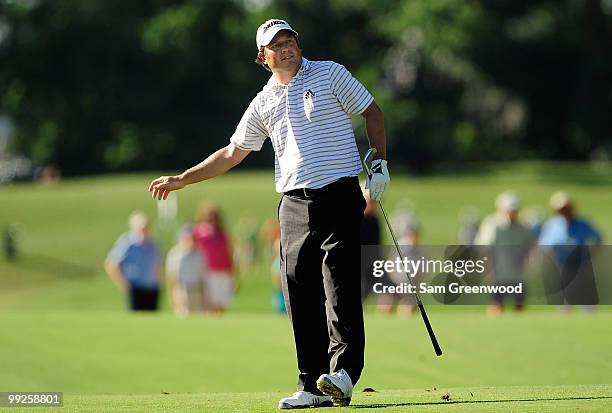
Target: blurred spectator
<point>270,235</point>
<point>9,242</point>
<point>567,237</point>
<point>185,271</point>
<point>48,175</point>
<point>278,299</point>
<point>469,223</point>
<point>134,264</point>
<point>534,219</point>
<point>564,227</point>
<point>403,212</point>
<point>214,243</point>
<point>510,243</point>
<point>409,246</point>
<point>369,235</point>
<point>245,251</point>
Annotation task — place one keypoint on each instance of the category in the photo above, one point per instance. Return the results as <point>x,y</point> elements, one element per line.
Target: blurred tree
<point>113,85</point>
<point>498,80</point>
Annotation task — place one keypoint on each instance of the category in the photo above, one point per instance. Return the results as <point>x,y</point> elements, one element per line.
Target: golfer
<point>305,110</point>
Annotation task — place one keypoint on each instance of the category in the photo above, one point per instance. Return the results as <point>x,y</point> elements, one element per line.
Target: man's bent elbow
<point>373,111</point>
<point>235,155</point>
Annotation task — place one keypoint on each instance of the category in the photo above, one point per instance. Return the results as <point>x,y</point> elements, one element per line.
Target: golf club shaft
<point>432,336</point>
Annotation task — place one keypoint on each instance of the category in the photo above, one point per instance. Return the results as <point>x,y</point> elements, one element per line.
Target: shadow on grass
<point>54,266</point>
<point>384,405</point>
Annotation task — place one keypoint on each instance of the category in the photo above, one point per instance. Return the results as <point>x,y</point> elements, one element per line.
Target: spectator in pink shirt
<point>214,243</point>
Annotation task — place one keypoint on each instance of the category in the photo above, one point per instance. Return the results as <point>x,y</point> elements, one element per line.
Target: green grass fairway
<point>536,399</point>
<point>557,361</point>
<point>63,326</point>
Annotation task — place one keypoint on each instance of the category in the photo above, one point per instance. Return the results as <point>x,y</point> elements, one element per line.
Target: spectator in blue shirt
<point>134,265</point>
<point>567,237</point>
<point>564,228</point>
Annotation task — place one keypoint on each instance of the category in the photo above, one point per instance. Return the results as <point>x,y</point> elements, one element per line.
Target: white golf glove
<point>378,180</point>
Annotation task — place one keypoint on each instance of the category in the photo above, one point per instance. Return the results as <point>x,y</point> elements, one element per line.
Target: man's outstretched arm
<point>216,164</point>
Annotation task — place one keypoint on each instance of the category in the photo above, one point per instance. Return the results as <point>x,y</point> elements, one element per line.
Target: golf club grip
<point>432,336</point>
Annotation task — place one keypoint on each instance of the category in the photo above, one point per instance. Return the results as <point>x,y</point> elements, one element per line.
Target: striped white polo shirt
<point>308,122</point>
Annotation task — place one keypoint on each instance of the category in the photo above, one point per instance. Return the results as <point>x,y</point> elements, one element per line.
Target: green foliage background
<point>112,85</point>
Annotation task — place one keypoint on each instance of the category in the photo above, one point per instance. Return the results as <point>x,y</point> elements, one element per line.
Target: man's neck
<point>284,76</point>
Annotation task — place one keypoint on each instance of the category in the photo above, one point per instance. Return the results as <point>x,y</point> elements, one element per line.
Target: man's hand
<point>114,272</point>
<point>162,186</point>
<point>378,179</point>
<point>216,164</point>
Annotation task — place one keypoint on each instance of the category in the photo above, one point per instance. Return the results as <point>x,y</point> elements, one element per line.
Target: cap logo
<point>272,23</point>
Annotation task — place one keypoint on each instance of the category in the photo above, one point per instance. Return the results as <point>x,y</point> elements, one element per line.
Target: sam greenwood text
<point>453,288</point>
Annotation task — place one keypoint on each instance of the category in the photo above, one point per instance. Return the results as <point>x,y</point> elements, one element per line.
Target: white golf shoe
<point>303,399</point>
<point>337,385</point>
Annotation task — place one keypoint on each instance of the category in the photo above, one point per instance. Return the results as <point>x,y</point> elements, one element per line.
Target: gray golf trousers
<point>320,266</point>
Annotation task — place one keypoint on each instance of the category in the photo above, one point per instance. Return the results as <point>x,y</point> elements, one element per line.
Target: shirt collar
<point>136,238</point>
<point>301,71</point>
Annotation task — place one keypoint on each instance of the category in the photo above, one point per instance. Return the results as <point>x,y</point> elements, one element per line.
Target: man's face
<point>512,215</point>
<point>282,53</point>
<point>142,232</point>
<point>567,211</point>
<point>186,241</point>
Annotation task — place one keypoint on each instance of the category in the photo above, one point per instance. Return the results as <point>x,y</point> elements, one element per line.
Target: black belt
<point>345,182</point>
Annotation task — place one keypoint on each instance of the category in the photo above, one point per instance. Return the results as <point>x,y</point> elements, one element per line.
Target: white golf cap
<point>267,31</point>
<point>559,200</point>
<point>507,201</point>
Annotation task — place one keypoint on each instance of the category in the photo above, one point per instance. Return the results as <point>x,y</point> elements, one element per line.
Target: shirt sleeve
<point>486,232</point>
<point>551,234</point>
<point>119,250</point>
<point>351,94</point>
<point>250,133</point>
<point>591,233</point>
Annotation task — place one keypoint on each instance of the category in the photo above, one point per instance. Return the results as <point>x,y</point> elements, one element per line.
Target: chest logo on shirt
<point>309,103</point>
<point>309,94</point>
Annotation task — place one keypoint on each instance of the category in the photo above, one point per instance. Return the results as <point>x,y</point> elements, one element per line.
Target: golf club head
<point>367,159</point>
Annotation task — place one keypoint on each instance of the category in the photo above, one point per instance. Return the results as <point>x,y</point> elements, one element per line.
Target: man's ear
<point>261,57</point>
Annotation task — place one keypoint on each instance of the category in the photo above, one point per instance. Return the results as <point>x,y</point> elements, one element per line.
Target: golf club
<point>434,341</point>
